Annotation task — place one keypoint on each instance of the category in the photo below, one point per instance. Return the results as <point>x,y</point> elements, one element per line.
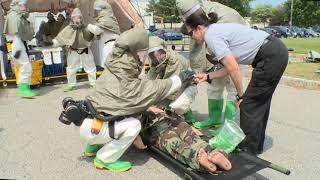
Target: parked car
<point>316,29</point>
<point>272,32</point>
<point>297,32</point>
<point>310,33</point>
<point>284,31</point>
<point>168,34</point>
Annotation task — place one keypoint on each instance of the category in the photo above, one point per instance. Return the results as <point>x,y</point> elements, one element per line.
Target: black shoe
<point>259,151</point>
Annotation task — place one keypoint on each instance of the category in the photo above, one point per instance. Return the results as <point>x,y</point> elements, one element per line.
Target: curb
<point>300,83</point>
<point>294,82</point>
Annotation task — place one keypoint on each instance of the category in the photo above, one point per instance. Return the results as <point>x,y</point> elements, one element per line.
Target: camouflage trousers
<point>175,137</point>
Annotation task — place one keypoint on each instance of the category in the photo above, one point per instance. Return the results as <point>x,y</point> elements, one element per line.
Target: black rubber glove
<point>17,54</point>
<point>186,76</point>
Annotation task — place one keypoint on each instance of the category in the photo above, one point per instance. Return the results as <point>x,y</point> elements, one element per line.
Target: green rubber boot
<point>68,88</point>
<point>215,107</point>
<point>118,166</point>
<point>230,111</point>
<point>25,91</point>
<point>91,150</point>
<point>188,117</point>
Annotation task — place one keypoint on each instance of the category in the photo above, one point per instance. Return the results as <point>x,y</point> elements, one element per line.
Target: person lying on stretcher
<point>177,138</point>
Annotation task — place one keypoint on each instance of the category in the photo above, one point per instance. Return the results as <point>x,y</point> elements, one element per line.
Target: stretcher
<point>243,165</point>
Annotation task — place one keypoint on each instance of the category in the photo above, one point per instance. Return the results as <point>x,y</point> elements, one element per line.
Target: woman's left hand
<point>237,104</point>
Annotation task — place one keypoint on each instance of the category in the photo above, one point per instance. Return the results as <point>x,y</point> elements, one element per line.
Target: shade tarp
<point>124,11</point>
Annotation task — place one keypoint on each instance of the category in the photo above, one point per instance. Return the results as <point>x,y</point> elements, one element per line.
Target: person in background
<point>18,29</point>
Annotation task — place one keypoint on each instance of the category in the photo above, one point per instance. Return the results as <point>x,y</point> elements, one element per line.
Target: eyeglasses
<point>190,33</point>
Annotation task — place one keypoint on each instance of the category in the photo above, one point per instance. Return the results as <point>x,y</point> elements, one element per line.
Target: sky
<point>271,2</point>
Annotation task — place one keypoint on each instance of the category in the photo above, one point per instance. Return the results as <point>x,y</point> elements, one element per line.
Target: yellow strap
<point>96,126</point>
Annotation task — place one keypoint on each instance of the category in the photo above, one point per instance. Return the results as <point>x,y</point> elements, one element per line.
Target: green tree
<point>305,13</point>
<point>166,9</point>
<point>279,16</point>
<point>262,14</point>
<point>242,6</point>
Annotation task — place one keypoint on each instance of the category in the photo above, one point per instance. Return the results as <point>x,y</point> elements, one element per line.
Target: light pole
<point>291,14</point>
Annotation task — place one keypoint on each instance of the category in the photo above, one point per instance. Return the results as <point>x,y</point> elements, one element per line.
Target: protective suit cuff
<point>176,84</point>
<point>96,30</point>
<point>55,43</point>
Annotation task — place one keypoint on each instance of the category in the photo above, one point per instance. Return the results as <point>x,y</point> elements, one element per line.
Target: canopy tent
<point>123,10</point>
<point>125,13</point>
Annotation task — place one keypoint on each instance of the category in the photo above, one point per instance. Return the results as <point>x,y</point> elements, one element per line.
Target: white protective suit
<point>18,29</point>
<point>126,130</point>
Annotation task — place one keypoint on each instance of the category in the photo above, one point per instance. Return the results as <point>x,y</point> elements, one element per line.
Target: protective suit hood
<point>73,35</point>
<point>186,8</point>
<point>133,40</point>
<point>101,4</point>
<point>16,22</point>
<point>106,19</point>
<point>156,43</point>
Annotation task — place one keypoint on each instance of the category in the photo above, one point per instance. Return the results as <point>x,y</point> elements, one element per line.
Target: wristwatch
<point>208,79</point>
<point>238,97</point>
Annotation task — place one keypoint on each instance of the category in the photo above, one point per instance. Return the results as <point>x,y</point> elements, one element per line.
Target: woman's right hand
<point>200,77</point>
<point>155,109</point>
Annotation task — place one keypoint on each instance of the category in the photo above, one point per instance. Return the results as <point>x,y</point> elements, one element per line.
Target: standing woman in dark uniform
<point>235,44</point>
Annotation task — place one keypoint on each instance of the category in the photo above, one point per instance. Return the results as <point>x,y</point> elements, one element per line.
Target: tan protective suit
<point>172,65</point>
<point>107,28</point>
<point>77,39</point>
<point>119,91</point>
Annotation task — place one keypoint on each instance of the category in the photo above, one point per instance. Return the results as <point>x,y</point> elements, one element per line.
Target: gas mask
<point>77,21</point>
<point>24,10</point>
<point>141,57</point>
<point>50,17</point>
<point>157,56</point>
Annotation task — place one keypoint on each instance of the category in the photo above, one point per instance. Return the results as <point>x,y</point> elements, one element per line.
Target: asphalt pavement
<point>35,145</point>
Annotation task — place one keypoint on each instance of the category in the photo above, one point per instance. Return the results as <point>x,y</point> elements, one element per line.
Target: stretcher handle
<point>264,163</point>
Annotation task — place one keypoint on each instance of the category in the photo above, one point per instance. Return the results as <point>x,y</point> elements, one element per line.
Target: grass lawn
<point>303,70</point>
<point>302,45</point>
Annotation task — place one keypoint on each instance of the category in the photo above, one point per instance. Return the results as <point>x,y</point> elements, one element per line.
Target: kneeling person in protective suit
<point>78,39</point>
<point>120,93</point>
<point>177,138</point>
<point>166,63</point>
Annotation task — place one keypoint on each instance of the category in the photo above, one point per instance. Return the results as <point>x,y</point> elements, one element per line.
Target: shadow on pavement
<point>268,143</point>
<point>256,176</point>
<point>137,157</point>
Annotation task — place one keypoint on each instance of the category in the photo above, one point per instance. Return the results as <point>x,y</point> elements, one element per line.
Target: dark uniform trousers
<point>269,65</point>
